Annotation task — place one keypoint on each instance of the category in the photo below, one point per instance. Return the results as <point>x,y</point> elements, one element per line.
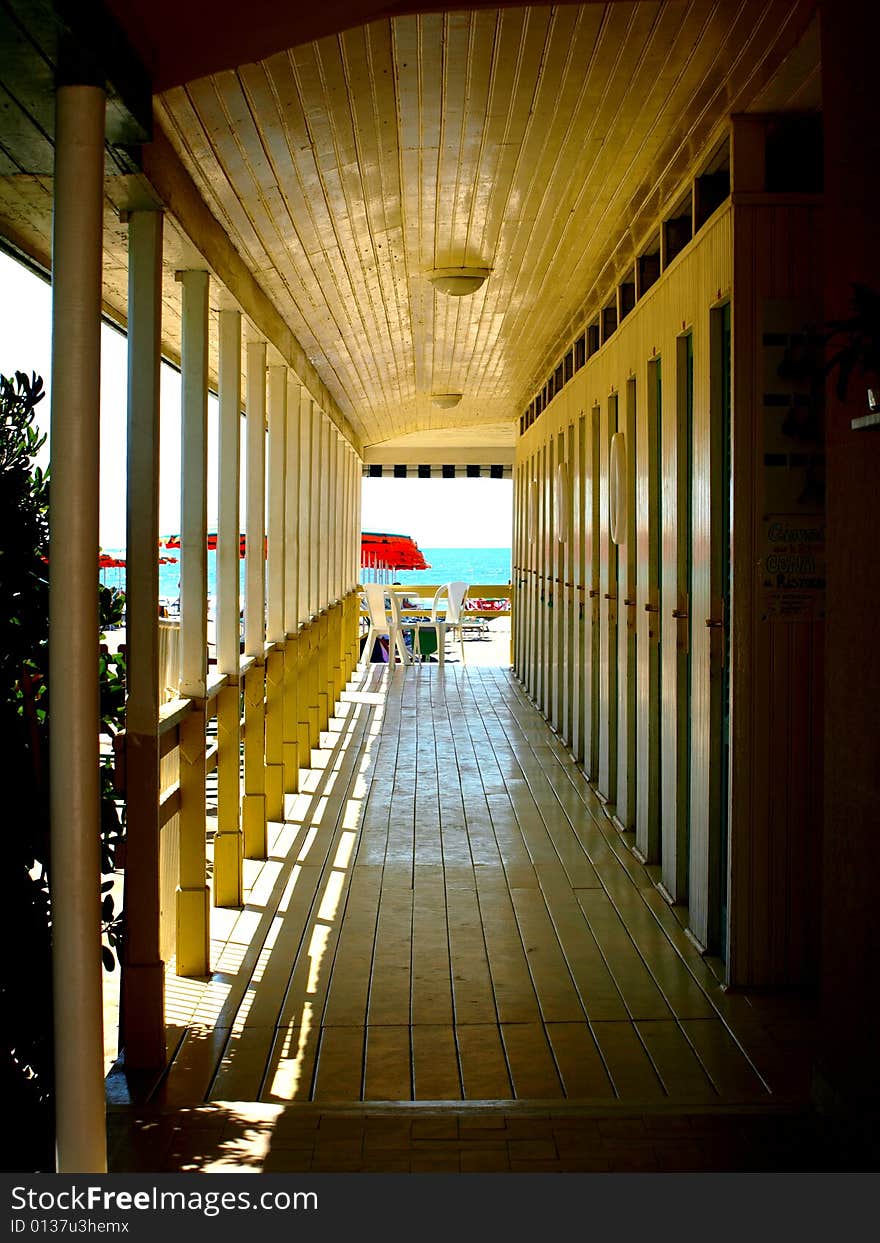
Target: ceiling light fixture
<point>446,400</point>
<point>458,281</point>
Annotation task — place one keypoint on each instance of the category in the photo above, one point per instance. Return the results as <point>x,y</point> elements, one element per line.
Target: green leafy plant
<point>26,1055</point>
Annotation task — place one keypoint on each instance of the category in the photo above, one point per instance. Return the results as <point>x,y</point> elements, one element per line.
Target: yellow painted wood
<point>274,767</point>
<point>312,680</point>
<point>290,715</point>
<point>193,903</point>
<point>253,807</point>
<point>322,663</point>
<point>228,846</point>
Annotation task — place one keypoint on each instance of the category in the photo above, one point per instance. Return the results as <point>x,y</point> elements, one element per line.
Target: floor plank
<point>435,1063</point>
<point>483,1063</point>
<point>447,912</point>
<point>387,1075</point>
<point>629,1066</point>
<point>583,1072</point>
<point>530,1062</point>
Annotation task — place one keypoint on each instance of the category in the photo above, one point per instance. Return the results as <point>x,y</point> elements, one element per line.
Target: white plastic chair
<point>456,594</point>
<point>436,622</point>
<point>381,623</point>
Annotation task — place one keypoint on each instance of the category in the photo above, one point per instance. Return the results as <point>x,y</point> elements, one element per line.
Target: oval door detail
<point>561,503</point>
<point>617,488</point>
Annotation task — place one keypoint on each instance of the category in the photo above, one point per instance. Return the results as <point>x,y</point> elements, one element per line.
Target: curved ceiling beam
<point>180,40</point>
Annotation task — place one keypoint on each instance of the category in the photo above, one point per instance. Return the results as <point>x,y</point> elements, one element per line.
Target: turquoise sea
<point>470,565</point>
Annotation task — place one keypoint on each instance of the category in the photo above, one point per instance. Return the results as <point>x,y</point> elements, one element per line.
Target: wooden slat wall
<point>777,662</point>
<point>680,301</point>
<point>776,733</point>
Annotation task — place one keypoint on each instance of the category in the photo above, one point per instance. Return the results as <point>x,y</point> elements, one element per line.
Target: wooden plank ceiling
<point>526,140</point>
<point>542,143</point>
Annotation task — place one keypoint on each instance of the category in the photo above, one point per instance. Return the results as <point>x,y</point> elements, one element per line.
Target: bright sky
<point>437,513</point>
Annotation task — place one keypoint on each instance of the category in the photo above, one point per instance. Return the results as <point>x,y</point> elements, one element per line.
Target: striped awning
<point>377,470</point>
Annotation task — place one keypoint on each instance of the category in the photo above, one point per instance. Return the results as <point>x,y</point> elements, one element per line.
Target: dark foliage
<point>26,1071</point>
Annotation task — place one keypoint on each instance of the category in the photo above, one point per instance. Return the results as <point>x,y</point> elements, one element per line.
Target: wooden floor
<point>447,914</point>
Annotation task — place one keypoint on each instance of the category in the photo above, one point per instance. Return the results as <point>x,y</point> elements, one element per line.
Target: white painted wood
<point>255,475</point>
<point>194,486</point>
<point>228,606</point>
<point>73,623</point>
<point>305,506</point>
<point>332,512</point>
<point>291,509</point>
<point>276,535</point>
<point>345,527</point>
<point>314,500</point>
<point>324,550</point>
<point>142,519</point>
<point>143,1017</point>
<point>340,515</point>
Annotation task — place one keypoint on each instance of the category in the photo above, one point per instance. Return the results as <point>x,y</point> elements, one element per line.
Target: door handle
<point>713,623</point>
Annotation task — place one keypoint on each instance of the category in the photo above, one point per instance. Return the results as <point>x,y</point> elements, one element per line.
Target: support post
<point>143,992</point>
<point>290,729</point>
<point>228,847</point>
<point>308,540</point>
<point>73,628</point>
<point>193,912</point>
<point>277,563</point>
<point>254,804</point>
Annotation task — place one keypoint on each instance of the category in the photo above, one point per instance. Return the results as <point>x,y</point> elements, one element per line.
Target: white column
<point>339,517</point>
<point>193,909</point>
<point>73,629</point>
<point>277,554</point>
<point>194,486</point>
<point>323,488</point>
<point>228,605</point>
<point>291,509</point>
<point>306,551</point>
<point>332,510</point>
<point>317,552</point>
<point>358,494</point>
<point>345,550</point>
<point>143,1017</point>
<point>255,568</point>
<point>228,844</point>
